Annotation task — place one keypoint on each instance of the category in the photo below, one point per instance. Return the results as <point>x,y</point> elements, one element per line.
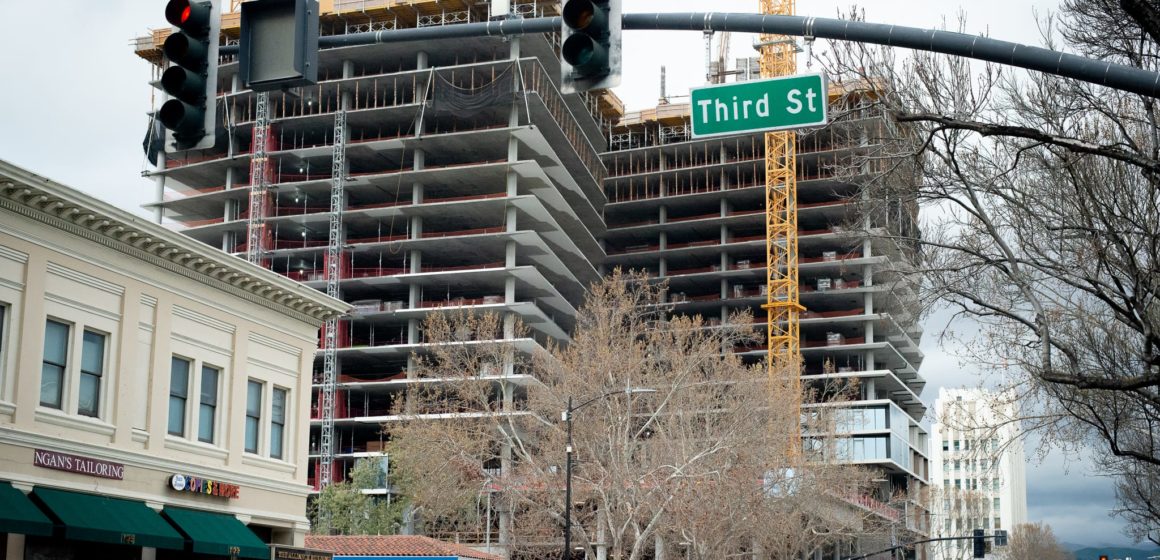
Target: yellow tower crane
<point>778,58</point>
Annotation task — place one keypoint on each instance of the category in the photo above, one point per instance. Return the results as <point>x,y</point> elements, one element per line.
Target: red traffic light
<point>191,17</point>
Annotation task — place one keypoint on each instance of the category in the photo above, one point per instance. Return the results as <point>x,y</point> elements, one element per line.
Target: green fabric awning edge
<point>89,517</point>
<point>19,515</point>
<point>217,533</point>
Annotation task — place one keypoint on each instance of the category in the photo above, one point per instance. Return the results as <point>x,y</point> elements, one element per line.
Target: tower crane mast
<point>783,306</point>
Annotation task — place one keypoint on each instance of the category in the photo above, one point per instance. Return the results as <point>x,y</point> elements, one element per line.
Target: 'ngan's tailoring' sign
<point>77,464</point>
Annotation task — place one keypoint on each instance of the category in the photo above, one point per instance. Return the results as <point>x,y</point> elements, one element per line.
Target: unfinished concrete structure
<point>466,180</point>
<point>452,174</point>
<point>691,211</point>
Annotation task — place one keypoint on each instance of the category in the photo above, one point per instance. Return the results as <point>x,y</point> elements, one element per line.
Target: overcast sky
<point>73,100</point>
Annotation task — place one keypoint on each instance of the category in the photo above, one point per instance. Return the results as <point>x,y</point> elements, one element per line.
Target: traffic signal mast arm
<point>1108,74</point>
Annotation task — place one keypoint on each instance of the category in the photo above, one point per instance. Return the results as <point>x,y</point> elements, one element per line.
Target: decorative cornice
<point>66,209</point>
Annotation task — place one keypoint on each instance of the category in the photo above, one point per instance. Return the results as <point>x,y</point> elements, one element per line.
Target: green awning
<point>217,534</point>
<point>87,517</point>
<point>19,515</point>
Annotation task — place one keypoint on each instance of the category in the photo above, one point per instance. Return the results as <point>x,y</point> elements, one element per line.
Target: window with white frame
<point>178,395</point>
<point>54,364</point>
<point>92,370</point>
<point>207,407</point>
<point>277,422</point>
<point>253,415</point>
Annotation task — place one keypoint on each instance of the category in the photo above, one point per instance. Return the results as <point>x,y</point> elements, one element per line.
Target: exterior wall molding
<point>202,319</point>
<point>82,306</point>
<point>66,420</point>
<point>87,280</point>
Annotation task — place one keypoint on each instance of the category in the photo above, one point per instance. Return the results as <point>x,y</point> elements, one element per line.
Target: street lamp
<point>567,417</point>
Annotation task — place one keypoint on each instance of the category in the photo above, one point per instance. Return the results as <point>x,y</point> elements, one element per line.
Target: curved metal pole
<point>1116,76</point>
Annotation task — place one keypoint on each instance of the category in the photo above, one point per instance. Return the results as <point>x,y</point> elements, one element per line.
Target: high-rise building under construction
<point>452,173</point>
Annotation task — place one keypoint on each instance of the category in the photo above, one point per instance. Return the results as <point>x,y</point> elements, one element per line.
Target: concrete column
<point>148,553</point>
<point>129,372</point>
<point>15,547</point>
<point>26,393</point>
<point>159,188</point>
<point>511,219</point>
<point>870,389</point>
<point>233,421</point>
<point>416,223</point>
<point>415,291</point>
<point>514,47</point>
<point>869,331</point>
<point>421,60</point>
<point>662,165</point>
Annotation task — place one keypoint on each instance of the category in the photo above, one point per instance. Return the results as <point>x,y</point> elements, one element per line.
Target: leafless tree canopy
<point>1042,207</point>
<point>1034,541</point>
<point>702,466</point>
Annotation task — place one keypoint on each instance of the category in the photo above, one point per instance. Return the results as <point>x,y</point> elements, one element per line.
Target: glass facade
<point>894,445</point>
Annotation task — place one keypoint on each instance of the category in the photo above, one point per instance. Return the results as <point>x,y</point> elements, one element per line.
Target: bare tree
<point>1043,227</point>
<point>704,466</point>
<point>1034,541</point>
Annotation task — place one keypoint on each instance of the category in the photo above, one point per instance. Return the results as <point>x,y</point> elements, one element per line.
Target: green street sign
<point>773,104</point>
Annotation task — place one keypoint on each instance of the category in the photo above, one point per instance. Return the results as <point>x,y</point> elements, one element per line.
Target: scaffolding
<point>333,277</point>
<point>259,182</point>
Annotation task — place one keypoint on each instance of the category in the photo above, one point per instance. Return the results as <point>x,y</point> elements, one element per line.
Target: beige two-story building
<point>154,392</point>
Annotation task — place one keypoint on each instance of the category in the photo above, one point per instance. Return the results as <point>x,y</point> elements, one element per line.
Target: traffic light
<point>190,114</point>
<point>980,544</point>
<point>590,53</point>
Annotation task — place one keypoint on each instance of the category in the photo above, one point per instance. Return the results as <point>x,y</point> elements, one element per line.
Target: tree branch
<point>1071,144</point>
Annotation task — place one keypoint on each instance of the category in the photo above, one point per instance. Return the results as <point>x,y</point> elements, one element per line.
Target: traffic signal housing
<point>590,55</point>
<point>980,544</point>
<point>190,114</point>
